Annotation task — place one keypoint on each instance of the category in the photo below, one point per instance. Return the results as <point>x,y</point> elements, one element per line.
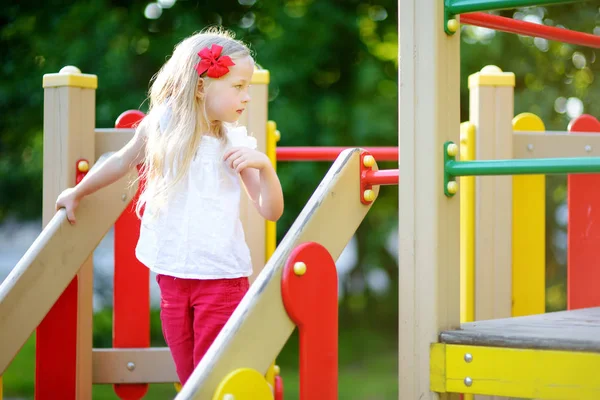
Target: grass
<point>368,367</point>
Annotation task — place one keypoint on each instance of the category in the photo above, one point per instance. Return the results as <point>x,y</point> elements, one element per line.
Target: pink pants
<point>192,313</point>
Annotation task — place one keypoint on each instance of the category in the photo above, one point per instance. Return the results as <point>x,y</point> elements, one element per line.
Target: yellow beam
<point>529,234</point>
<point>467,226</point>
<point>510,372</point>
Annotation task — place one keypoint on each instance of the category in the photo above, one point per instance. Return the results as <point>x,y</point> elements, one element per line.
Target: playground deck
<point>574,330</point>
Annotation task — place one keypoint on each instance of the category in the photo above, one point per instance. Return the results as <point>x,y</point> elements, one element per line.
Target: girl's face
<point>226,97</point>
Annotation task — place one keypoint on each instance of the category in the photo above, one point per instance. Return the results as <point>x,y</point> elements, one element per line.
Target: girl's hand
<point>68,200</point>
<point>240,158</point>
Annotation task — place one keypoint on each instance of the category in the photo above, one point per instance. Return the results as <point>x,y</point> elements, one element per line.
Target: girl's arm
<point>260,179</point>
<point>114,168</point>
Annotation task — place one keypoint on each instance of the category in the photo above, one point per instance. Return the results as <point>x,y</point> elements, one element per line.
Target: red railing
<point>530,29</point>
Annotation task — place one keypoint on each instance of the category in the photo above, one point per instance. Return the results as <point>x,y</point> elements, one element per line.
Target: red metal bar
<point>530,29</point>
<point>331,153</point>
<point>382,177</point>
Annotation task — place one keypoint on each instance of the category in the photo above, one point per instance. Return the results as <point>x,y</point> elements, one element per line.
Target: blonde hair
<point>170,150</point>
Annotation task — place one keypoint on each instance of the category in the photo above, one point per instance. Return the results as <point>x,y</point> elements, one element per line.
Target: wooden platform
<point>577,330</point>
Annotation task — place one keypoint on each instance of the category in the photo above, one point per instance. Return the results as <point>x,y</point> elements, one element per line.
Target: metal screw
<point>530,147</point>
<point>588,148</point>
<point>468,357</point>
<point>468,381</point>
<point>124,197</point>
<point>228,397</point>
<point>130,366</point>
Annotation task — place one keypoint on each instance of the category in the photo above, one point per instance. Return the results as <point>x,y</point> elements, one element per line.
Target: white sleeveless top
<point>198,233</point>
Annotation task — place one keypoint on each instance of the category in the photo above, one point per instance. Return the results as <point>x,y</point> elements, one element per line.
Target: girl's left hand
<point>240,158</point>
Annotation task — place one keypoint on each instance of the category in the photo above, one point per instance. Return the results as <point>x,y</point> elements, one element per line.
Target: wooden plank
<point>260,326</point>
<point>52,261</point>
<point>429,225</point>
<point>111,140</point>
<point>149,365</point>
<point>574,330</point>
<point>554,144</point>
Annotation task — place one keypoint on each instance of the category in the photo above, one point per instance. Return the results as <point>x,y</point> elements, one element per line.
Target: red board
<point>583,230</point>
<point>131,319</point>
<point>311,301</point>
<point>56,349</point>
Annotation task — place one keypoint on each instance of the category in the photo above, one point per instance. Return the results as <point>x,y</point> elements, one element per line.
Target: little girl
<point>193,158</point>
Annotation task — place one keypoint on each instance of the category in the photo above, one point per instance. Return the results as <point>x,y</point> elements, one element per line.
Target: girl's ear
<point>200,89</point>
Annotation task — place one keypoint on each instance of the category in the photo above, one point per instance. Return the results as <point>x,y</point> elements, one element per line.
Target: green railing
<point>455,7</point>
<point>539,166</point>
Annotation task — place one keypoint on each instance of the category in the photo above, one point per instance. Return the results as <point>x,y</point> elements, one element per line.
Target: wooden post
<point>255,119</point>
<point>491,112</point>
<point>64,337</point>
<point>429,274</point>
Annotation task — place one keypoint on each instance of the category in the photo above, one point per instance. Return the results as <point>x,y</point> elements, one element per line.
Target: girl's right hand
<point>68,200</point>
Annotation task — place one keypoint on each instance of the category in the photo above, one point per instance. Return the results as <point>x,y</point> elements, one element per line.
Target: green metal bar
<point>546,166</point>
<point>454,7</point>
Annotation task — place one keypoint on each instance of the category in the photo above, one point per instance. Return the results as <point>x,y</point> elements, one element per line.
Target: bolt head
<point>588,148</point>
<point>368,161</point>
<point>468,381</point>
<point>369,195</point>
<point>453,25</point>
<point>468,357</point>
<point>452,187</point>
<point>452,150</point>
<point>83,166</point>
<point>130,366</point>
<point>299,268</point>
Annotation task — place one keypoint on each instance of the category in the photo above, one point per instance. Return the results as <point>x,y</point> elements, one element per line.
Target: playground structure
<point>477,254</point>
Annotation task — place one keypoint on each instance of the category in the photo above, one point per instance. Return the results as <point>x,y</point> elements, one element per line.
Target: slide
<point>53,260</point>
<point>260,326</point>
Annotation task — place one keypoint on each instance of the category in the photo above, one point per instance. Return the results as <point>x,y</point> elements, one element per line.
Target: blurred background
<point>334,68</point>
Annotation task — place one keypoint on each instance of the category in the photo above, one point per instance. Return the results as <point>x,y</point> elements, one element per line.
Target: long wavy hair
<point>177,117</point>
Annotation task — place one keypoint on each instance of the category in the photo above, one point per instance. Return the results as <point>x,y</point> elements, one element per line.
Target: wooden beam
<point>147,365</point>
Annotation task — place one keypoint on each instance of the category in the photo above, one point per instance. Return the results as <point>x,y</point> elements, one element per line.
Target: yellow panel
<point>467,226</point>
<point>529,233</point>
<point>243,384</point>
<point>260,76</point>
<point>0,388</point>
<point>491,76</point>
<point>437,368</point>
<point>523,373</point>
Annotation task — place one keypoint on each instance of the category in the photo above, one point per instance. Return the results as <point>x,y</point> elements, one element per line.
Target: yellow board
<point>521,373</point>
<point>467,226</point>
<point>529,233</point>
<point>243,384</point>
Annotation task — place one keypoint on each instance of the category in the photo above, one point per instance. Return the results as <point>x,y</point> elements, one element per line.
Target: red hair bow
<point>211,62</point>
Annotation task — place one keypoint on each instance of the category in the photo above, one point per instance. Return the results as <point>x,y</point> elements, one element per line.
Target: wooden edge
<point>149,365</point>
<point>260,326</point>
<point>555,144</point>
<point>53,260</point>
<point>111,140</point>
